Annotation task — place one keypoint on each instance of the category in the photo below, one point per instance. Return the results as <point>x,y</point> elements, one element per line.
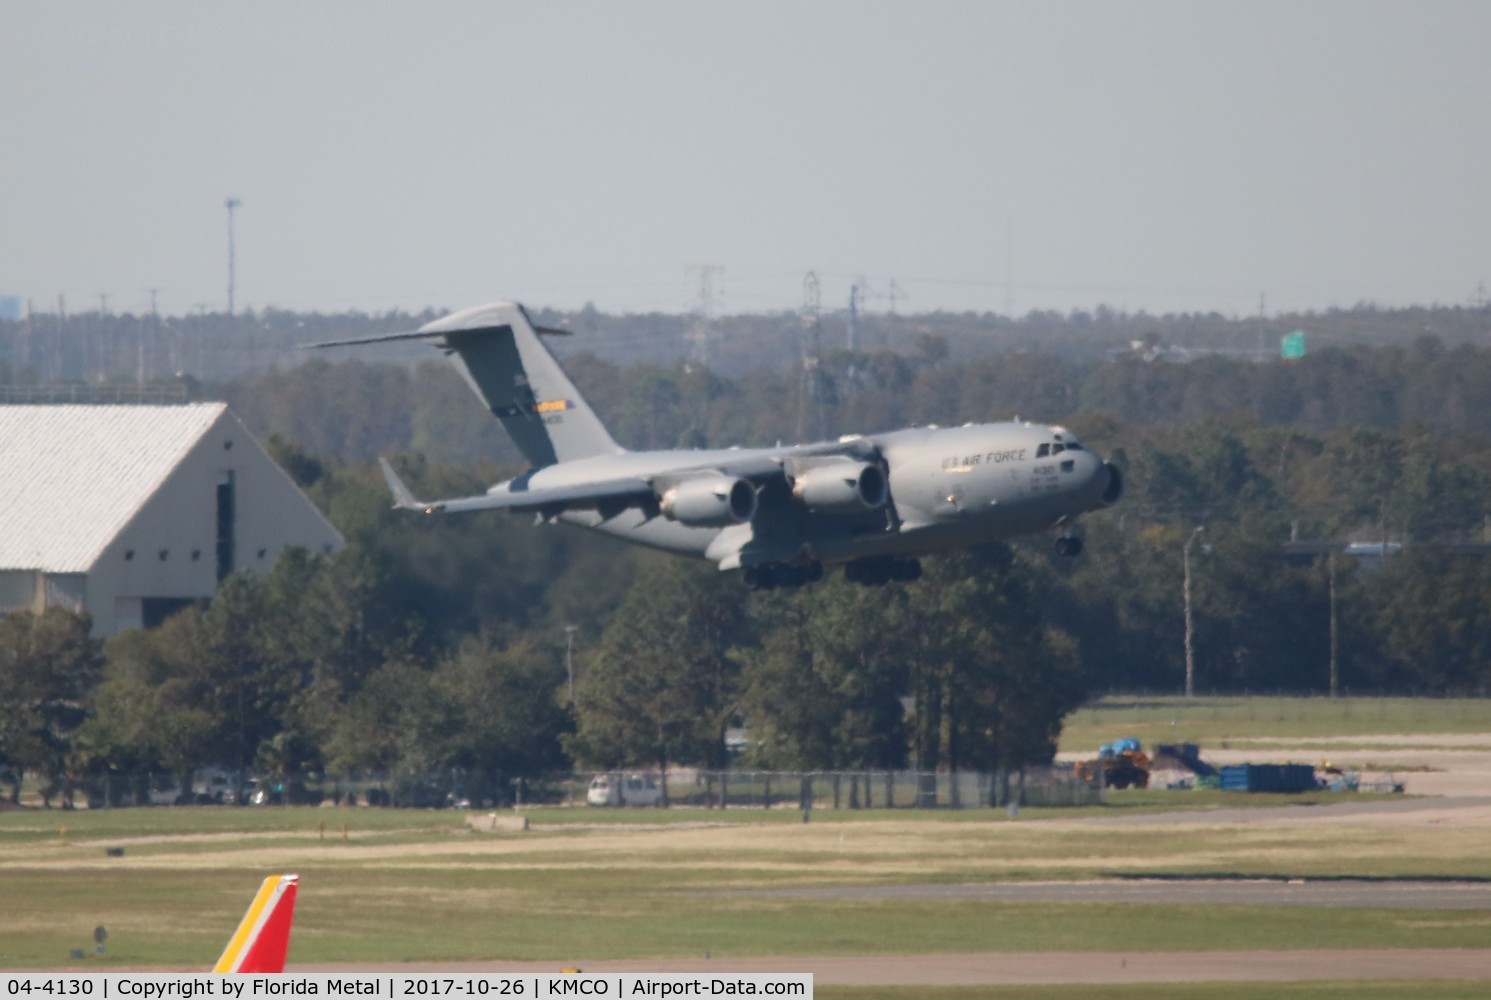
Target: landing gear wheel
<point>906,570</point>
<point>1068,545</point>
<point>771,575</point>
<point>760,577</point>
<point>880,570</point>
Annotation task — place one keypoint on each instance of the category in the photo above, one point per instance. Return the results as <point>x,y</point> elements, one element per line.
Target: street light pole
<point>569,658</point>
<point>1186,585</point>
<point>1335,679</point>
<point>232,205</point>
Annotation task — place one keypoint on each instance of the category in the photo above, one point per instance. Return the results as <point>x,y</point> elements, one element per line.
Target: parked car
<point>623,790</point>
<point>266,792</point>
<point>214,785</point>
<point>278,791</point>
<point>165,791</point>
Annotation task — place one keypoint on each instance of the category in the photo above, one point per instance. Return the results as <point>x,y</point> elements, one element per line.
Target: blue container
<point>1268,778</point>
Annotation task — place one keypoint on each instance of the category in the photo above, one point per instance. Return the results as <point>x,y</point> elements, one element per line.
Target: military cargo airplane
<point>871,502</point>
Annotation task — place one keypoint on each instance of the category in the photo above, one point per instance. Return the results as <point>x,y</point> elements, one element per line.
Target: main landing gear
<point>1069,545</point>
<point>771,575</point>
<point>880,570</point>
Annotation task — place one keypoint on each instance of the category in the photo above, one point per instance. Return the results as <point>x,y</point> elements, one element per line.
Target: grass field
<point>1242,721</point>
<point>421,885</point>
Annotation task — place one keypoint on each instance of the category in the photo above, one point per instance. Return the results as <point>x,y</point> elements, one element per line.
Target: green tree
<point>823,687</point>
<point>152,711</point>
<point>401,725</point>
<point>660,687</point>
<point>48,666</point>
<point>991,681</point>
<point>1432,612</point>
<point>508,719</point>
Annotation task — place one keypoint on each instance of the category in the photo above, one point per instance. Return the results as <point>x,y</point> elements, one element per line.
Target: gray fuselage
<point>948,487</point>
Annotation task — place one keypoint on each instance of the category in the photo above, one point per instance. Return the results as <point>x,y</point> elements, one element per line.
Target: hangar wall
<point>221,504</point>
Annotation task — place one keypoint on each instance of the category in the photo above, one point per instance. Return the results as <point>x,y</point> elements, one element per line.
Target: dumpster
<point>1268,778</point>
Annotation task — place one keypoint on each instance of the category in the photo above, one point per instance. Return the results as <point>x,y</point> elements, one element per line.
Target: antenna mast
<point>808,398</point>
<point>231,204</point>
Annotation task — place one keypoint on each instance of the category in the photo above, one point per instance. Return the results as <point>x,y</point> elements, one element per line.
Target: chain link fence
<point>682,787</point>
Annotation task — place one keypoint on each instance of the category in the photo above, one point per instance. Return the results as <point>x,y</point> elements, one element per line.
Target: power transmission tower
<point>154,327</point>
<point>27,343</point>
<point>57,356</point>
<point>894,295</point>
<point>860,292</point>
<point>232,205</point>
<point>702,331</point>
<point>856,295</point>
<point>809,401</point>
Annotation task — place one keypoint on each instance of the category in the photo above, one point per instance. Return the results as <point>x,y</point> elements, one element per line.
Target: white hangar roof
<point>72,477</point>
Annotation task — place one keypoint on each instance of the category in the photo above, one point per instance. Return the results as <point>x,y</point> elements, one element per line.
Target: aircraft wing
<point>609,496</point>
<point>515,496</point>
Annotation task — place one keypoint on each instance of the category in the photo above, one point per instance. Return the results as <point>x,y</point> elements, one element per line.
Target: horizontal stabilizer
<point>381,338</point>
<point>403,499</point>
<point>497,349</point>
<point>384,338</point>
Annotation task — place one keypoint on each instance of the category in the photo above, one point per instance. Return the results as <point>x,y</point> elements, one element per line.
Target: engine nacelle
<point>841,487</point>
<point>709,503</point>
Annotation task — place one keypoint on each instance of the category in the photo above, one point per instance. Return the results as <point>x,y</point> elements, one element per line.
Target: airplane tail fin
<point>263,936</point>
<point>497,350</point>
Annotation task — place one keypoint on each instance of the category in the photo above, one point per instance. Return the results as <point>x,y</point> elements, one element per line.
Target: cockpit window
<point>1074,446</point>
<point>1058,448</point>
<point>1043,451</point>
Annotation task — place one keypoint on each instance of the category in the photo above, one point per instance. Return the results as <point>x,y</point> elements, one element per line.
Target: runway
<point>1014,969</point>
<point>1351,893</point>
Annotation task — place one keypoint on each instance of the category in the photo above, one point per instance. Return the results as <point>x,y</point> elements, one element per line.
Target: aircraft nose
<point>1098,479</point>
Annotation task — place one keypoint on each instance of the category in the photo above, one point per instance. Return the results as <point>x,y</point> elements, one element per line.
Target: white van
<point>623,790</point>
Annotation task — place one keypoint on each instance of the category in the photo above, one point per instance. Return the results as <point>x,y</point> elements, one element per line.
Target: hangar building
<point>132,512</point>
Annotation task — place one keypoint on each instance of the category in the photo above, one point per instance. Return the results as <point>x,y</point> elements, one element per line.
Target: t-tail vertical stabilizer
<point>263,936</point>
<point>497,350</point>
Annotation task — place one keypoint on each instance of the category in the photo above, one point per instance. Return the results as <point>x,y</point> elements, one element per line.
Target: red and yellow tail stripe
<point>263,936</point>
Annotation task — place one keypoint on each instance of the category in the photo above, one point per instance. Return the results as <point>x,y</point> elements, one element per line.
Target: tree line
<point>435,643</point>
<point>414,653</point>
<point>52,344</point>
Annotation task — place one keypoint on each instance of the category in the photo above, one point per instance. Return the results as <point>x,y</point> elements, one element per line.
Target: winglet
<point>263,936</point>
<point>403,499</point>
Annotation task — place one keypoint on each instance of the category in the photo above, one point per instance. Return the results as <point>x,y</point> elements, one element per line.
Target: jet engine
<point>709,503</point>
<point>840,487</point>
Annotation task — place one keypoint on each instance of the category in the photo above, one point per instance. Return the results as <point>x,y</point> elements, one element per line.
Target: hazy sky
<point>1160,156</point>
